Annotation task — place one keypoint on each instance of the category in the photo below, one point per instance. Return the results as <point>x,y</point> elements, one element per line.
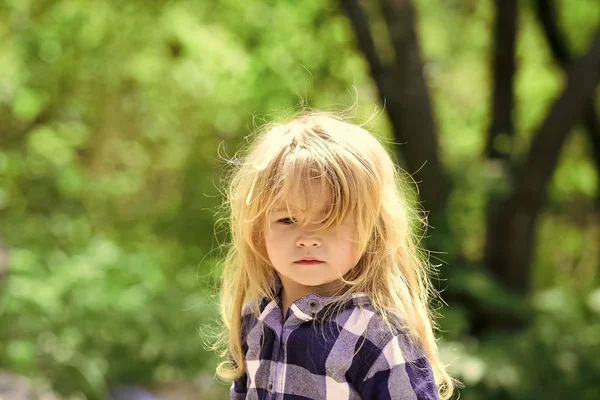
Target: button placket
<point>284,343</point>
<point>313,307</point>
<point>276,352</point>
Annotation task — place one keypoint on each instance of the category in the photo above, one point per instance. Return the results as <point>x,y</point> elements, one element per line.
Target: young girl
<point>325,294</point>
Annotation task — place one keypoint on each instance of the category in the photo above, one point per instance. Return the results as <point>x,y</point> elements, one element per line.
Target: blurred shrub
<point>557,357</point>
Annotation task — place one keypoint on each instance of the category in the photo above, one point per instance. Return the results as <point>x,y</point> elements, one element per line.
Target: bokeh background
<point>117,118</point>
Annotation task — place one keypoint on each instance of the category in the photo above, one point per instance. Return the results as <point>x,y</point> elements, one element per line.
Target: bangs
<point>310,192</point>
<point>312,181</point>
<point>311,189</point>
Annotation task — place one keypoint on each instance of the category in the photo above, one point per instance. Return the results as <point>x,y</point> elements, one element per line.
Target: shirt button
<point>312,303</point>
<point>270,386</point>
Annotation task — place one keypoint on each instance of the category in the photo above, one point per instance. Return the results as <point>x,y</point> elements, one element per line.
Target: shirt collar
<point>306,307</point>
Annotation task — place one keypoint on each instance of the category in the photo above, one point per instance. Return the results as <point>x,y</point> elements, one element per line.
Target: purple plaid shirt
<point>351,355</point>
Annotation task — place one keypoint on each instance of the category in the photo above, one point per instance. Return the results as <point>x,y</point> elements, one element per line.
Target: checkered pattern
<point>351,355</point>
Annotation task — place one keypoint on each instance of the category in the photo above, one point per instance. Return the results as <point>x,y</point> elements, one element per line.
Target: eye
<point>286,221</point>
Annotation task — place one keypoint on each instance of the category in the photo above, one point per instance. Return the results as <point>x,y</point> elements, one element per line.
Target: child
<point>325,272</point>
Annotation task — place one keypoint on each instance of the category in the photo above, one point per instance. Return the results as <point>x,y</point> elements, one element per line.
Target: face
<point>308,261</point>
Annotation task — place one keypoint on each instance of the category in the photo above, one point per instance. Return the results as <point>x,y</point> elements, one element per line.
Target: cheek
<point>268,240</point>
<point>275,243</point>
<point>272,235</point>
<point>346,246</point>
<point>269,233</point>
<point>352,248</point>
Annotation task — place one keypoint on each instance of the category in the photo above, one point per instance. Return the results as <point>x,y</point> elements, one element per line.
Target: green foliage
<point>114,121</point>
<point>106,314</point>
<point>557,357</point>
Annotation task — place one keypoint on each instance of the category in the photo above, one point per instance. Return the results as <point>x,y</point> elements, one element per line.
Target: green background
<point>116,121</point>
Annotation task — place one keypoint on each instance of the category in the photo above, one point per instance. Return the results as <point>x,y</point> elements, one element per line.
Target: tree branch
<point>364,38</point>
<point>582,79</point>
<point>546,14</point>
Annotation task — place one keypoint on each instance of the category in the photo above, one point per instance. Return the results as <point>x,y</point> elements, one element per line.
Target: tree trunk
<point>501,130</point>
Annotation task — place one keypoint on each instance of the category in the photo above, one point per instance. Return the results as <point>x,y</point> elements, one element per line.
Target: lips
<point>308,261</point>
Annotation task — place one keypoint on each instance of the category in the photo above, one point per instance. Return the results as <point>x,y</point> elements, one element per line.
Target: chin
<point>312,282</point>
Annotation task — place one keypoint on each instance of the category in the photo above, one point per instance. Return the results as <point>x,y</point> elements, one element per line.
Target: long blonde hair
<point>365,184</point>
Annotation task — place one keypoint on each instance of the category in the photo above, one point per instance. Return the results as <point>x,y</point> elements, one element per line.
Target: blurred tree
<point>402,88</point>
<point>546,14</point>
<point>501,131</point>
<point>512,221</point>
<point>511,216</point>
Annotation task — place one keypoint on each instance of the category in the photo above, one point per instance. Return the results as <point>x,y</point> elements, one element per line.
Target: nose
<point>308,241</point>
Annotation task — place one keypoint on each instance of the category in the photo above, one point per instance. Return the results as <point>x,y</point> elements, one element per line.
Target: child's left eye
<point>286,221</point>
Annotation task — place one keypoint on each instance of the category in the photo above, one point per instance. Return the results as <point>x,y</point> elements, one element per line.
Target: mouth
<point>308,261</point>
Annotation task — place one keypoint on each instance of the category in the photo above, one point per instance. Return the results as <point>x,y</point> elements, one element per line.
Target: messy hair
<point>366,186</point>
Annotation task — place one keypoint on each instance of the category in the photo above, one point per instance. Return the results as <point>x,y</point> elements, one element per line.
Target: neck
<point>292,291</point>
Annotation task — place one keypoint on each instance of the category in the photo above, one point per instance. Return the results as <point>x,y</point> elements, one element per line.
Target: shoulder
<point>378,335</point>
<point>386,352</point>
<point>359,317</point>
<point>360,323</point>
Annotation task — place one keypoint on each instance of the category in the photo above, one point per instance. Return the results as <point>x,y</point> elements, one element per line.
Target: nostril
<point>308,242</point>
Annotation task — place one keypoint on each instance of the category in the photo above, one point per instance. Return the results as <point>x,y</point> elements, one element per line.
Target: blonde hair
<point>366,186</point>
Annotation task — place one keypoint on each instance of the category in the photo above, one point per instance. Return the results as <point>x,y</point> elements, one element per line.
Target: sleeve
<point>399,372</point>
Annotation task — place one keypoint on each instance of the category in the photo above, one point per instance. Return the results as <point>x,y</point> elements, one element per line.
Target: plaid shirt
<point>351,355</point>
